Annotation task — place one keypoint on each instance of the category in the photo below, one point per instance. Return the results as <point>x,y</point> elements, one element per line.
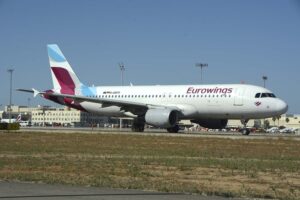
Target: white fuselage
<point>222,101</point>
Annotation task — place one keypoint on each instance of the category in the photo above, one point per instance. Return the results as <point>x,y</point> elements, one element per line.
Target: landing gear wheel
<point>173,129</point>
<point>138,126</point>
<point>245,131</point>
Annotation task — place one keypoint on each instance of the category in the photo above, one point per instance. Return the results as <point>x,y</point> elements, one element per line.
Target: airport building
<point>287,120</point>
<point>65,117</point>
<point>46,115</point>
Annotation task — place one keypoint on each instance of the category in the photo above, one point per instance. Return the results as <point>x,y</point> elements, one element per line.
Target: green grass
<point>265,168</point>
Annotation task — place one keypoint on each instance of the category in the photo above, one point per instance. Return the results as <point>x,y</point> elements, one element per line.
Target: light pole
<point>122,68</point>
<point>28,100</point>
<point>201,65</point>
<point>10,93</point>
<point>265,78</point>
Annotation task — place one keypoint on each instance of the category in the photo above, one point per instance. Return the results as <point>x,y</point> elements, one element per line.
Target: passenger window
<point>257,95</point>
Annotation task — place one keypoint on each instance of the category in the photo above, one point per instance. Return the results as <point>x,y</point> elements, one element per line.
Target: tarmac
<point>161,132</point>
<point>21,190</point>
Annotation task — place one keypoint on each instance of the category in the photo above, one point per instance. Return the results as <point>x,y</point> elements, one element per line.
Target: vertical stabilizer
<point>64,78</point>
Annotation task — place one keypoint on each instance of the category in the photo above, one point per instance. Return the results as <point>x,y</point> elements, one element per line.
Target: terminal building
<point>51,116</point>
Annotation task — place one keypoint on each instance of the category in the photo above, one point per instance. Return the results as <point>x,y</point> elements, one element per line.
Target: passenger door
<point>239,97</point>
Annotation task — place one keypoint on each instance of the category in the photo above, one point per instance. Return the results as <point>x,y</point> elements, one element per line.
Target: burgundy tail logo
<point>64,79</point>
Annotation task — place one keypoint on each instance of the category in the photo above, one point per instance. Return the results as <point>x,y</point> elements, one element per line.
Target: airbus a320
<point>209,106</point>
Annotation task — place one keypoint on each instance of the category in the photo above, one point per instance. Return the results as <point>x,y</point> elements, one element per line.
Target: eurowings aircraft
<point>161,106</point>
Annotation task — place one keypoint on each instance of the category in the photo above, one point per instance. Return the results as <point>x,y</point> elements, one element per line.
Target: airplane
<point>209,106</point>
<point>12,120</point>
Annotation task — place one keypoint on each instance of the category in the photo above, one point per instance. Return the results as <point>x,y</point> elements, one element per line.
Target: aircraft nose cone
<point>282,107</point>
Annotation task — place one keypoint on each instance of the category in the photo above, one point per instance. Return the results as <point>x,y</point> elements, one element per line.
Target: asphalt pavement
<point>18,190</point>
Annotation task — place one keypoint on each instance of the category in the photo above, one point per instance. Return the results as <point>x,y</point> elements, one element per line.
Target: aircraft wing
<point>134,107</point>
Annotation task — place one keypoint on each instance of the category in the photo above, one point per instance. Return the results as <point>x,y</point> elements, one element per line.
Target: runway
<point>17,190</point>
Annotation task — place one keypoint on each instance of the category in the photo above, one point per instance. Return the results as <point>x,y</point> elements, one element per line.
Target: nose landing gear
<point>245,130</point>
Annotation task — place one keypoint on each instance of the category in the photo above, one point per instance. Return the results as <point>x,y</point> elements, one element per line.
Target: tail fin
<point>64,78</point>
<point>19,118</point>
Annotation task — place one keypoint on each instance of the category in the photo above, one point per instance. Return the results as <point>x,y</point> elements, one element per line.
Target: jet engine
<point>211,123</point>
<point>160,117</point>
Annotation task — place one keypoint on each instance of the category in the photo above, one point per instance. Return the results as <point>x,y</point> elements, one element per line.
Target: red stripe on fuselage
<point>64,79</point>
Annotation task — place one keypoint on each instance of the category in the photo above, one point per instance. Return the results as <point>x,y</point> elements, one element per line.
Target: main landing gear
<point>138,125</point>
<point>173,129</point>
<point>245,130</point>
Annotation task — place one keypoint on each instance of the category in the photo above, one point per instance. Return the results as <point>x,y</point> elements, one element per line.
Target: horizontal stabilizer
<point>25,90</point>
<point>34,91</point>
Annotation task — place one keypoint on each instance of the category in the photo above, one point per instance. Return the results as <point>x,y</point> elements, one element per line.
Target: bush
<point>11,126</point>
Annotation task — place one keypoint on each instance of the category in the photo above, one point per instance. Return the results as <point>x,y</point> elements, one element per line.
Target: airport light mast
<point>28,100</point>
<point>122,68</point>
<point>265,78</point>
<point>201,65</point>
<point>10,93</point>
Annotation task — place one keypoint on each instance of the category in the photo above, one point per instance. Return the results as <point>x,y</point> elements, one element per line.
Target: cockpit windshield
<point>264,95</point>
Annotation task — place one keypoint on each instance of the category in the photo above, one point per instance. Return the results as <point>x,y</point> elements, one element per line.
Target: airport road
<point>17,190</point>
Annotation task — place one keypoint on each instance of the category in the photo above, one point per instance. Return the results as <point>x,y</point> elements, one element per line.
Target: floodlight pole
<point>201,65</point>
<point>265,78</point>
<point>28,100</point>
<point>122,68</point>
<point>10,93</point>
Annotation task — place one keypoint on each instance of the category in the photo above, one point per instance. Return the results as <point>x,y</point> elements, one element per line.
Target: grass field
<point>264,168</point>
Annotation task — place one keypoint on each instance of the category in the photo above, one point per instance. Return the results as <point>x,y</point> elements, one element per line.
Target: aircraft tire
<point>245,131</point>
<point>173,129</point>
<point>138,127</point>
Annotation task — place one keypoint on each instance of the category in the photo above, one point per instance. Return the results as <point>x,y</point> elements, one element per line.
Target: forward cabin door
<point>239,97</point>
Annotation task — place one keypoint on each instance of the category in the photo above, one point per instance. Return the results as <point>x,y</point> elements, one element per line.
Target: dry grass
<point>265,168</point>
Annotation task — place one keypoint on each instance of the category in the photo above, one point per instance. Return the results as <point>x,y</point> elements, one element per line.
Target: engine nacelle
<point>211,123</point>
<point>163,118</point>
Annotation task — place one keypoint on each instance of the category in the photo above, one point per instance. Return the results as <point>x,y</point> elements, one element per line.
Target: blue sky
<point>158,41</point>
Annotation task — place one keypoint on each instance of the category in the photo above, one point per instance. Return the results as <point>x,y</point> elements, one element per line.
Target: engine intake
<point>163,118</point>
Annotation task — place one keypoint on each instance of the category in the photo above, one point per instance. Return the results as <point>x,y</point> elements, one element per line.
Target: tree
<point>278,118</point>
<point>274,119</point>
<point>287,120</point>
<point>266,124</point>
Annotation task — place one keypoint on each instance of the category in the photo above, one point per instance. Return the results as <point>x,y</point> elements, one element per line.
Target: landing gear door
<point>239,97</point>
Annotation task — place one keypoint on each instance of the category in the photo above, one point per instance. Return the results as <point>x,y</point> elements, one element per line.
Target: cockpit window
<point>264,95</point>
<point>257,95</point>
<point>272,95</point>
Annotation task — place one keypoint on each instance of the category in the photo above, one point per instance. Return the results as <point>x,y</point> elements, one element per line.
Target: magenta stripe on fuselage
<point>65,80</point>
